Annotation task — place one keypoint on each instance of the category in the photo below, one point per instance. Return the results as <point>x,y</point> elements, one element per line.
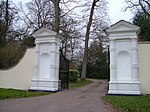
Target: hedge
<point>73,75</point>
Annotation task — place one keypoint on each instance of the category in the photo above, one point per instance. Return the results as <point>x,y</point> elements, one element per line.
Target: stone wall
<point>20,76</point>
<point>144,66</point>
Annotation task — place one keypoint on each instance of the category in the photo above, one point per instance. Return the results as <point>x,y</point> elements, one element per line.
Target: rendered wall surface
<point>144,66</point>
<point>20,76</point>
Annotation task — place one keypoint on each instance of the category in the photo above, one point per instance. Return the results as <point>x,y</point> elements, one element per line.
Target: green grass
<point>12,93</point>
<point>80,83</point>
<point>130,103</point>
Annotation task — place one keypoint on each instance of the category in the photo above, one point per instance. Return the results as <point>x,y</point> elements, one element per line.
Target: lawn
<point>13,93</point>
<point>80,83</point>
<point>130,103</point>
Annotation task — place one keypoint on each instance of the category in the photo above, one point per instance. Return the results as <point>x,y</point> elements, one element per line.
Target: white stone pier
<point>46,76</point>
<point>123,59</point>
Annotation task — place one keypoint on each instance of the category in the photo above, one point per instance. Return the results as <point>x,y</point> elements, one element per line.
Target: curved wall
<point>20,76</point>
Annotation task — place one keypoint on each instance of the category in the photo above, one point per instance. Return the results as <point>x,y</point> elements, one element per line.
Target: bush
<point>95,75</point>
<point>11,54</point>
<point>73,75</point>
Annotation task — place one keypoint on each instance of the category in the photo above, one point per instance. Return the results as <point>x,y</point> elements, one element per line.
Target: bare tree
<point>71,36</point>
<point>7,19</point>
<point>139,5</point>
<point>83,74</point>
<point>100,7</point>
<point>38,13</point>
<point>57,14</point>
<point>58,11</point>
<point>41,13</point>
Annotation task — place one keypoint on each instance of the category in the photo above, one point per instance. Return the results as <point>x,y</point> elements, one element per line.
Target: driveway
<point>85,99</point>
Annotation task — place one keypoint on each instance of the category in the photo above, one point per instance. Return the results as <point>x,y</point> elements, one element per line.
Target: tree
<point>143,20</point>
<point>100,7</point>
<point>28,41</point>
<point>43,14</point>
<point>8,18</point>
<point>58,10</point>
<point>11,49</point>
<point>97,65</point>
<point>139,6</point>
<point>57,14</point>
<point>4,20</point>
<point>38,13</point>
<point>83,74</point>
<point>10,54</point>
<point>142,16</point>
<point>71,37</point>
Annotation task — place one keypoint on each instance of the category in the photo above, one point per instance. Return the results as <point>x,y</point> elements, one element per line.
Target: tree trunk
<point>6,20</point>
<point>57,14</point>
<point>83,74</point>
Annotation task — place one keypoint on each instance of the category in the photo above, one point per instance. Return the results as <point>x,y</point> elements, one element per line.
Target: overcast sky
<point>115,11</point>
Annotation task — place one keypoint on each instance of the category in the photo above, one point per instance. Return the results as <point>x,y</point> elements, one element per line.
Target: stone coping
<point>144,42</point>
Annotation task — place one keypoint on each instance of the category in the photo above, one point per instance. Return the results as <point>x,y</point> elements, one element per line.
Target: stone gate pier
<point>124,75</point>
<point>46,75</point>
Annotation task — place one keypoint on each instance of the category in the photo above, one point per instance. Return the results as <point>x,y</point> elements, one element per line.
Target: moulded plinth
<point>44,85</point>
<point>124,87</point>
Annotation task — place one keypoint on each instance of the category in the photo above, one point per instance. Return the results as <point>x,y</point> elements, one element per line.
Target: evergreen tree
<point>143,21</point>
<point>97,66</point>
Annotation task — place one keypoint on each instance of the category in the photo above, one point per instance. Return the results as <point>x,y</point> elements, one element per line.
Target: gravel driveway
<point>85,99</point>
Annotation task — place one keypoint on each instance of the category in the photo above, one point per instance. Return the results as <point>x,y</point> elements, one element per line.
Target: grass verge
<point>12,93</point>
<point>80,83</point>
<point>130,103</point>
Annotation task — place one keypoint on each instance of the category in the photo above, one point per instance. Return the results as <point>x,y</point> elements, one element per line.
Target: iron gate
<point>63,71</point>
<point>108,64</point>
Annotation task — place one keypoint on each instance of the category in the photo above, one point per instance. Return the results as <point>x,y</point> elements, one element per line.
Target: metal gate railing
<point>63,71</point>
<point>108,64</point>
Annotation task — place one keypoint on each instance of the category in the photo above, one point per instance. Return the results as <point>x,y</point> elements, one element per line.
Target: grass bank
<point>13,93</point>
<point>80,83</point>
<point>130,103</point>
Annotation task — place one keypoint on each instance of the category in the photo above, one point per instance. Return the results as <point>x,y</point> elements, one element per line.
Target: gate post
<point>46,76</point>
<point>123,59</point>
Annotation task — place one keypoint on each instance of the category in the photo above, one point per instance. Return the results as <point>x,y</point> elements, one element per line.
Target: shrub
<point>73,75</point>
<point>10,54</point>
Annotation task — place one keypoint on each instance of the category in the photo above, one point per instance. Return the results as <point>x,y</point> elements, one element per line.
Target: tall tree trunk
<point>57,14</point>
<point>83,74</point>
<point>6,19</point>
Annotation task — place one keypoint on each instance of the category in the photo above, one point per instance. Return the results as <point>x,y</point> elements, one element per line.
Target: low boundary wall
<point>20,76</point>
<point>144,66</point>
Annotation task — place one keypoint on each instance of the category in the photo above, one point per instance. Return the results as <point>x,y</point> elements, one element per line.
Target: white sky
<point>115,11</point>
